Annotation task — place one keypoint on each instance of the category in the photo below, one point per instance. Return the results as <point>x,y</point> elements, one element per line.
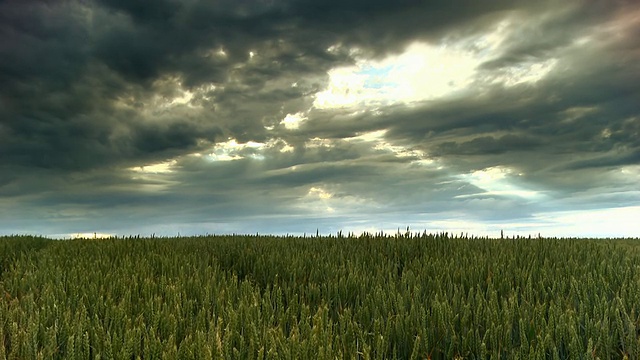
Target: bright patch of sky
<point>613,222</point>
<point>317,142</point>
<point>498,181</point>
<point>183,98</point>
<point>293,121</point>
<point>325,200</point>
<point>320,193</point>
<point>157,168</point>
<point>379,143</point>
<point>283,146</point>
<point>317,200</point>
<point>153,177</point>
<point>421,72</point>
<point>425,71</point>
<point>232,150</point>
<point>171,93</point>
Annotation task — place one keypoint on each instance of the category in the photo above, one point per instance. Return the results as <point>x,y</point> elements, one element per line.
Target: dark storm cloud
<point>91,90</point>
<point>383,26</point>
<point>65,64</point>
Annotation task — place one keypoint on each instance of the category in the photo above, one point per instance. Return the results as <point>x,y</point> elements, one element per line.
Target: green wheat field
<point>403,296</point>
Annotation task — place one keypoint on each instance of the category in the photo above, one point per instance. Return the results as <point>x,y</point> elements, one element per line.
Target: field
<point>408,296</point>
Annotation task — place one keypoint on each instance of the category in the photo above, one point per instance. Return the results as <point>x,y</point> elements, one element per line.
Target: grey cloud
<point>179,136</point>
<point>83,83</point>
<point>68,45</point>
<point>381,27</point>
<point>609,160</point>
<point>489,145</point>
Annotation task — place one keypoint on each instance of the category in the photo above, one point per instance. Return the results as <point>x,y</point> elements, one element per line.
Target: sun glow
<point>421,72</point>
<point>614,222</point>
<point>428,71</point>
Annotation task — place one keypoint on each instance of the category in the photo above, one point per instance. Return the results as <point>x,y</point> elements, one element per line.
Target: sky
<point>191,117</point>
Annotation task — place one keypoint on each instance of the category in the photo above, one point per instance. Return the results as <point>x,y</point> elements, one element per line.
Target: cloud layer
<point>290,116</point>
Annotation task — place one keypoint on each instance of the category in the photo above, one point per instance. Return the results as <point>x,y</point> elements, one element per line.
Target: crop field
<point>408,296</point>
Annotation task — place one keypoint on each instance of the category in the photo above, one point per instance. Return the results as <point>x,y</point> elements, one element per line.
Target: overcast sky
<point>287,116</point>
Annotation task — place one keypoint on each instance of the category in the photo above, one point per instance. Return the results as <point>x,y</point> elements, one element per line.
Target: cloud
<point>218,115</point>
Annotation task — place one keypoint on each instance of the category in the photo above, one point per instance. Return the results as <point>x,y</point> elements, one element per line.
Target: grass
<point>368,297</point>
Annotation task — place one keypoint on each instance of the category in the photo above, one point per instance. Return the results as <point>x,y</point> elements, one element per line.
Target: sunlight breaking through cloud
<point>378,142</point>
<point>232,150</point>
<point>498,181</point>
<point>421,72</point>
<point>293,121</point>
<point>157,168</point>
<point>425,71</point>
